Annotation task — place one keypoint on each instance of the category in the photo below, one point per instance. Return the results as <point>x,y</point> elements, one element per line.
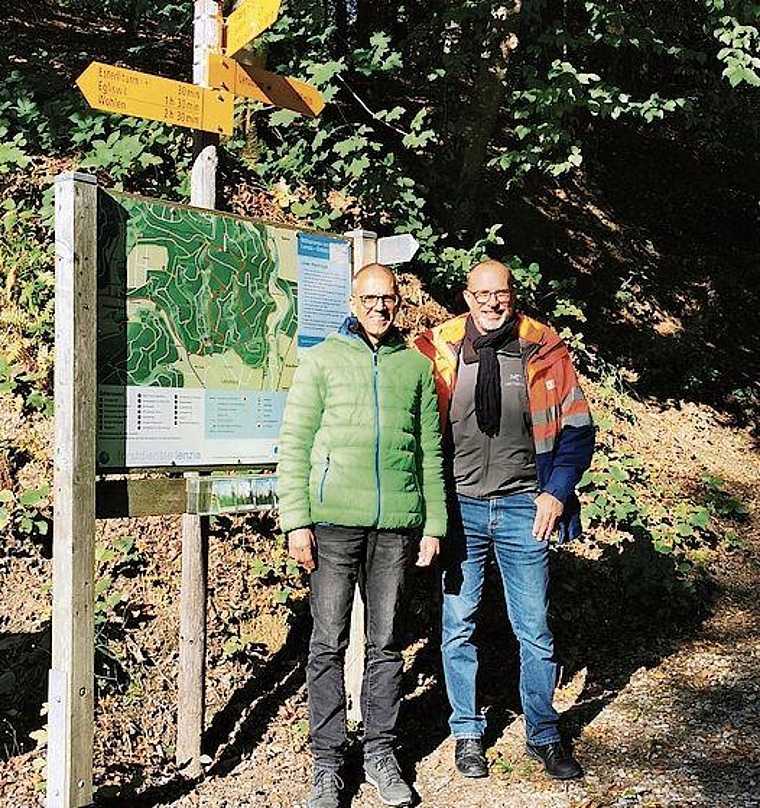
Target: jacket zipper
<point>377,433</point>
<point>324,478</point>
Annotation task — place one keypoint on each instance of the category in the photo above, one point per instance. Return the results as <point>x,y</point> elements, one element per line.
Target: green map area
<point>189,298</point>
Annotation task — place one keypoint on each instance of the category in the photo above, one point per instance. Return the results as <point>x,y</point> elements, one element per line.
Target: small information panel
<point>324,286</point>
<point>200,319</point>
<point>242,493</point>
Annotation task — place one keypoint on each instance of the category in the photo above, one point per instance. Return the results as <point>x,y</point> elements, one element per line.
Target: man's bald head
<point>373,271</point>
<point>493,273</point>
<point>375,300</point>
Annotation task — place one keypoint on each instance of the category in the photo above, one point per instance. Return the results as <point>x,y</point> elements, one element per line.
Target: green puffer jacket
<point>360,443</point>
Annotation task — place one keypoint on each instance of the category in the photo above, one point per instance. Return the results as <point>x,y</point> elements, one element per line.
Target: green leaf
<point>102,584</point>
<point>232,646</point>
<point>282,594</point>
<point>125,545</point>
<point>283,117</point>
<point>357,165</point>
<point>12,157</point>
<point>322,74</point>
<point>34,496</point>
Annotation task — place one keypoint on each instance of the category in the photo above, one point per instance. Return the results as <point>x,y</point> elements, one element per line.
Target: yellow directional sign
<point>253,82</point>
<point>247,21</point>
<point>129,92</point>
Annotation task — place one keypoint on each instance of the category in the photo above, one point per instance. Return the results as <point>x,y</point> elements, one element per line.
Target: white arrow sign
<point>396,249</point>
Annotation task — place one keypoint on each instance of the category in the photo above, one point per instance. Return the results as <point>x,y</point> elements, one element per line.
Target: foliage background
<point>469,123</point>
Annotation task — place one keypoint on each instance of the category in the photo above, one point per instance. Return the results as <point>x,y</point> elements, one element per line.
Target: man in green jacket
<point>360,479</point>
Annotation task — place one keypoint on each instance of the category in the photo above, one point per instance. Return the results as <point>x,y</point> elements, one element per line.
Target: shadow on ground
<point>611,616</point>
<point>699,722</point>
<point>236,730</point>
<point>24,664</point>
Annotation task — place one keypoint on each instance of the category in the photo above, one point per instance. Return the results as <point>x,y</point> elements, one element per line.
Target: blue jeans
<point>379,561</point>
<point>504,523</point>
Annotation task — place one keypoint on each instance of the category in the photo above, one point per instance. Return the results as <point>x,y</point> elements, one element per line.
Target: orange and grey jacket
<point>563,431</point>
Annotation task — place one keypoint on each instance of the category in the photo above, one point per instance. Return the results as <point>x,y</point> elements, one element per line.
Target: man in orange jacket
<point>519,437</point>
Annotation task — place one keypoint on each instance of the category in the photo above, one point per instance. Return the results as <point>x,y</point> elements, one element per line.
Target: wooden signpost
<point>72,680</point>
<point>206,106</point>
<point>282,92</point>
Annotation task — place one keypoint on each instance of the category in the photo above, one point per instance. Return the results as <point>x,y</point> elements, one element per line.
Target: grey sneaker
<point>325,788</point>
<point>384,774</point>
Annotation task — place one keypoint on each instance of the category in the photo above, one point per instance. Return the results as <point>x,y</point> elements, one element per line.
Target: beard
<point>490,324</point>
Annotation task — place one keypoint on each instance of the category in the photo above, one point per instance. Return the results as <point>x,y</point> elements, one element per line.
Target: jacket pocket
<point>325,470</point>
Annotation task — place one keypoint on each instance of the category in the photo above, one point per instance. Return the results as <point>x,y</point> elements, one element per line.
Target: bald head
<point>371,272</point>
<point>492,273</point>
<point>490,295</point>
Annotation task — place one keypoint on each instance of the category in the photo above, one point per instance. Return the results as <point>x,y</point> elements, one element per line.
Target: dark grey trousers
<point>378,560</point>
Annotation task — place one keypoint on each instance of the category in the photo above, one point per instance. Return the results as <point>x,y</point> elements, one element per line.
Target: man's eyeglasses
<point>370,301</point>
<point>482,296</point>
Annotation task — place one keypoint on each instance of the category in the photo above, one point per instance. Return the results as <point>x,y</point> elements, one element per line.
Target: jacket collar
<point>352,330</point>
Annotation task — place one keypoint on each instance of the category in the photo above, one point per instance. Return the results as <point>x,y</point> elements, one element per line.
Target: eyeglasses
<point>370,301</point>
<point>483,296</point>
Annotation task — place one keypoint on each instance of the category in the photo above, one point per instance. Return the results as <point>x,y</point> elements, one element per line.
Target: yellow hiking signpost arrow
<point>247,21</point>
<point>130,92</point>
<point>253,82</point>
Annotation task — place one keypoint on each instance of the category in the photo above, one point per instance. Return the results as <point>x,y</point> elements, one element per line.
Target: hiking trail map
<point>200,318</point>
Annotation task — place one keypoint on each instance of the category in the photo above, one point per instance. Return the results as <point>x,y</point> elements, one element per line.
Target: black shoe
<point>558,762</point>
<point>469,758</point>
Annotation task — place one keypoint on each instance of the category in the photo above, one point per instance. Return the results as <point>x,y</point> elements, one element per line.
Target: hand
<point>429,549</point>
<point>301,547</point>
<point>548,511</point>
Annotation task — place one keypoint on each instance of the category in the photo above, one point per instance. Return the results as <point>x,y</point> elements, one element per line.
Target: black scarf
<point>488,385</point>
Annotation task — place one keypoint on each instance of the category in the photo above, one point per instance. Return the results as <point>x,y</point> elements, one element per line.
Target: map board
<point>200,318</point>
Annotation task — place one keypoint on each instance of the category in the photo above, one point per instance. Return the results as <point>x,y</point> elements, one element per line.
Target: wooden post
<point>207,39</point>
<point>71,682</point>
<point>192,644</point>
<point>363,252</point>
<point>363,248</point>
<point>192,633</point>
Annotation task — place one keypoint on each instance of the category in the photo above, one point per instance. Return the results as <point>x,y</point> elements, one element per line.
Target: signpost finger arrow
<point>269,88</point>
<point>247,21</point>
<point>396,249</point>
<point>130,92</point>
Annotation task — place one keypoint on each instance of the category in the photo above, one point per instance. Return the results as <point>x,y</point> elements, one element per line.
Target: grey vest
<point>506,463</point>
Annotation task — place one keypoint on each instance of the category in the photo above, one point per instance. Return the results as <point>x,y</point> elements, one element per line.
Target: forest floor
<point>659,688</point>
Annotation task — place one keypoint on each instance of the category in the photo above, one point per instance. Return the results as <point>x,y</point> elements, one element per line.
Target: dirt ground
<point>680,732</point>
<point>658,693</point>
